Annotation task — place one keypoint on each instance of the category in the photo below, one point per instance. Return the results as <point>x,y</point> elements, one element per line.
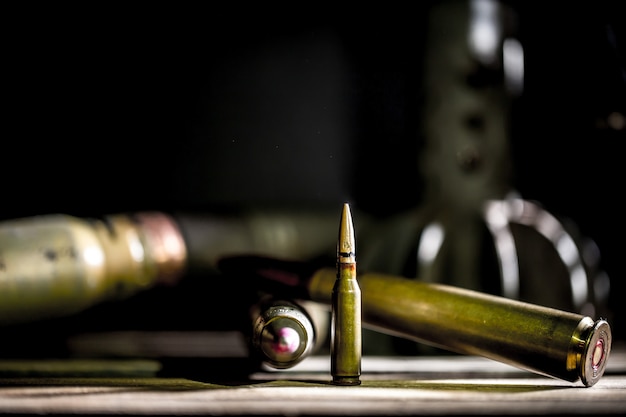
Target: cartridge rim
<point>596,353</point>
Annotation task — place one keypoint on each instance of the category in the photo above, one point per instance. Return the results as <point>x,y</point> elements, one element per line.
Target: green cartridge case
<point>346,329</point>
<point>543,340</point>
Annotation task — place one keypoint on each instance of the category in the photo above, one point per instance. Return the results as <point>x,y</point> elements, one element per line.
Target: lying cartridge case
<point>56,265</point>
<point>544,340</point>
<point>539,339</point>
<point>283,333</point>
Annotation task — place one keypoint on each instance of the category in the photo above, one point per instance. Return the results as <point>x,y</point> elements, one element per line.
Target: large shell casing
<point>54,265</point>
<point>540,339</point>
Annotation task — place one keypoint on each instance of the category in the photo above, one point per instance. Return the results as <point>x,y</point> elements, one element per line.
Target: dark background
<point>112,109</point>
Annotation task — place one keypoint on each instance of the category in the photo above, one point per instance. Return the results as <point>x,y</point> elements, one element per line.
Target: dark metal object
<point>539,339</point>
<point>345,333</point>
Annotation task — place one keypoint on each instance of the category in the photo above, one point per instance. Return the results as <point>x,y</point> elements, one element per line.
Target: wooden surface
<point>390,386</point>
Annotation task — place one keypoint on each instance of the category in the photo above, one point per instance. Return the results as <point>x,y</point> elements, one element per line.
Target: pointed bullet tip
<point>346,244</point>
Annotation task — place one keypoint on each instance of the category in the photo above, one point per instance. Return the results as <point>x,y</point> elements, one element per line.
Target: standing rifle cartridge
<point>539,339</point>
<point>56,265</point>
<point>345,333</point>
